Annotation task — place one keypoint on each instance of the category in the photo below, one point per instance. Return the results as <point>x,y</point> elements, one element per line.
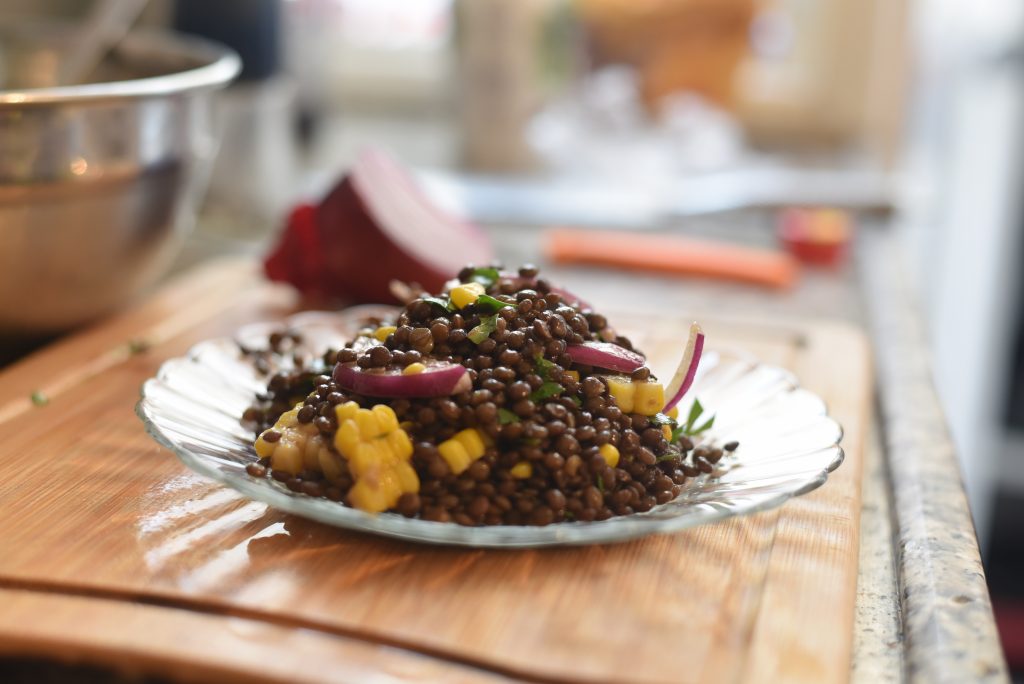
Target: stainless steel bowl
<point>98,182</point>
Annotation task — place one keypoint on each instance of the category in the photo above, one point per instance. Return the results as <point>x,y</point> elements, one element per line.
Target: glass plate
<point>788,443</point>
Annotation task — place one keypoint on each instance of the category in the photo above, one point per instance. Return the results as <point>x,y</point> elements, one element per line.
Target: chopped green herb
<point>484,276</point>
<point>531,441</point>
<point>695,412</point>
<point>691,428</point>
<point>576,400</point>
<point>488,324</point>
<point>491,303</point>
<point>600,484</point>
<point>40,399</point>
<point>661,419</point>
<point>445,304</point>
<point>543,366</point>
<point>677,433</point>
<point>668,456</point>
<point>706,426</point>
<point>138,346</point>
<point>505,416</point>
<point>569,515</point>
<point>548,389</point>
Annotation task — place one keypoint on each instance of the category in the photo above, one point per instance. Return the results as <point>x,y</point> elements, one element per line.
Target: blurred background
<point>696,116</point>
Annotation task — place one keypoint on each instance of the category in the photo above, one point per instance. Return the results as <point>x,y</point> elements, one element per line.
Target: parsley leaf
<point>660,419</point>
<point>695,412</point>
<point>138,345</point>
<point>445,304</point>
<point>548,389</point>
<point>600,484</point>
<point>488,324</point>
<point>39,399</point>
<point>706,426</point>
<point>543,367</point>
<point>491,303</point>
<point>576,400</point>
<point>691,428</point>
<point>505,417</point>
<point>485,276</point>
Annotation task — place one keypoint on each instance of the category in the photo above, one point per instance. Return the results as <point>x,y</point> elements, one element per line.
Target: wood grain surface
<point>111,550</point>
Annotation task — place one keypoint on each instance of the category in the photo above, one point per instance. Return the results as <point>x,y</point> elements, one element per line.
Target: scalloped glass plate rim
<point>615,529</point>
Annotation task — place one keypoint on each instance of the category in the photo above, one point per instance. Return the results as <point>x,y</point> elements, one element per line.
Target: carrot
<point>672,255</point>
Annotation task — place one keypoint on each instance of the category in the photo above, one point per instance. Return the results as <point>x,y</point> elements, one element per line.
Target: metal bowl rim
<point>221,65</point>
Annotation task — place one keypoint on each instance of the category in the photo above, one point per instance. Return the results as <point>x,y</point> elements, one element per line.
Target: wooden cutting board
<point>112,552</point>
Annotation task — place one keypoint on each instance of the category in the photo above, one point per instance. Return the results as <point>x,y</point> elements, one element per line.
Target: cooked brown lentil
<point>567,437</point>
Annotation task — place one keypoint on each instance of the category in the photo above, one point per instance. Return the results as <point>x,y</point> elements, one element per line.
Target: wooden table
<point>920,610</point>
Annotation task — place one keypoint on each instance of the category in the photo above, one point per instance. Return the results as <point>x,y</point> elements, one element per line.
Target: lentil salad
<point>475,406</point>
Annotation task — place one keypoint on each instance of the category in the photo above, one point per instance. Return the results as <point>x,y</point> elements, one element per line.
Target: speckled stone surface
<point>946,614</point>
<point>877,639</point>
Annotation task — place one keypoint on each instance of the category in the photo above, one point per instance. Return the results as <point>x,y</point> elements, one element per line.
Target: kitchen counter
<point>922,612</point>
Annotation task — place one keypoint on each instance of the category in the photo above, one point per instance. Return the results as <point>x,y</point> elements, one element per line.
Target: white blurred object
<point>587,201</point>
<point>601,128</point>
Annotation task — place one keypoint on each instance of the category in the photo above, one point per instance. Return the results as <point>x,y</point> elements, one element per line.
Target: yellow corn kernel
<point>472,440</point>
<point>346,411</point>
<point>369,426</point>
<point>346,439</point>
<point>287,457</point>
<point>385,454</point>
<point>454,454</point>
<point>375,450</point>
<point>383,331</point>
<point>574,374</point>
<point>610,454</point>
<point>408,480</point>
<point>406,425</point>
<point>648,398</point>
<point>667,432</point>
<point>400,444</point>
<point>288,419</point>
<point>263,447</point>
<point>296,447</point>
<point>414,369</point>
<point>365,458</point>
<point>368,498</point>
<point>466,294</point>
<point>386,418</point>
<point>521,470</point>
<point>623,389</point>
<point>311,453</point>
<point>332,465</point>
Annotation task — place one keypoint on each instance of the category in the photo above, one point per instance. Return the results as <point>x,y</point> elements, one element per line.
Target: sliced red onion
<point>571,298</point>
<point>687,370</point>
<point>605,355</point>
<point>436,380</point>
<point>522,281</point>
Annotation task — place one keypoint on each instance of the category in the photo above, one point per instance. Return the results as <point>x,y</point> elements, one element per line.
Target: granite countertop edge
<point>948,626</point>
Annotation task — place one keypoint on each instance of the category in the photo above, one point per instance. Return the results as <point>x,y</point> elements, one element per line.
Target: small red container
<point>816,236</point>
